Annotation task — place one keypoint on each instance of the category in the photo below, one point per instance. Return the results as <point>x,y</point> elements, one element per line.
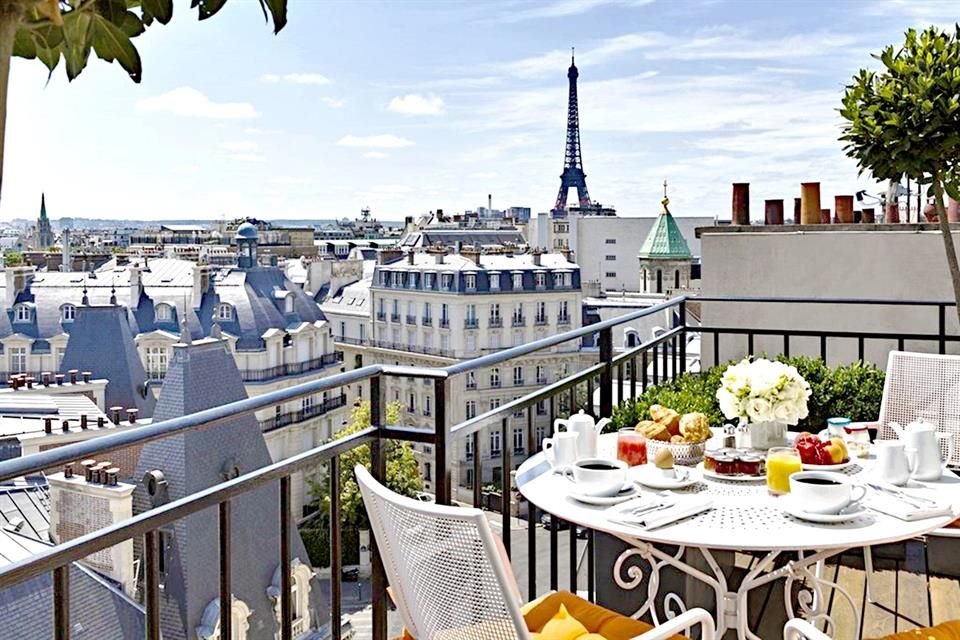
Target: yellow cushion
<point>562,626</point>
<point>599,622</point>
<point>946,631</point>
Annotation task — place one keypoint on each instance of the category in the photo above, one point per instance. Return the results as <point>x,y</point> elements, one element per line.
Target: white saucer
<point>790,507</point>
<point>649,476</point>
<point>829,467</point>
<point>628,492</point>
<point>716,476</point>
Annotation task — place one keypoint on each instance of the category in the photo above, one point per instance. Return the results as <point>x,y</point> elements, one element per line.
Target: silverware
<point>650,508</point>
<point>917,502</point>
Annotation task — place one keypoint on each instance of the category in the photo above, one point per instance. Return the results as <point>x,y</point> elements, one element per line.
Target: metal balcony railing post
<point>683,336</point>
<point>505,486</point>
<point>286,577</point>
<point>477,470</point>
<point>226,592</point>
<point>61,603</point>
<point>942,328</point>
<point>606,374</point>
<point>441,434</point>
<point>335,558</point>
<point>378,468</point>
<point>151,549</point>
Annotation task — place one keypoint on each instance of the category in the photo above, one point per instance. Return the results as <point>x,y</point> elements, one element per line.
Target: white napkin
<point>680,507</point>
<point>904,510</point>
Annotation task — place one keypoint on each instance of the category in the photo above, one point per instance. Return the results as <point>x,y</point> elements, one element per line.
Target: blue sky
<point>412,106</point>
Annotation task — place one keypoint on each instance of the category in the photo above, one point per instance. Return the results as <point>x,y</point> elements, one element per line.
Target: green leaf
<point>278,11</point>
<point>77,35</point>
<point>159,10</point>
<point>112,44</point>
<point>208,8</point>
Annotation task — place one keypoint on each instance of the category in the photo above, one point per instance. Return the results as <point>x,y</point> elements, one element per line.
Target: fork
<point>916,501</point>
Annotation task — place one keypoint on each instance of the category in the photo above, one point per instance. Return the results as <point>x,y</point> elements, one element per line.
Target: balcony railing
<point>312,411</point>
<point>563,319</point>
<point>427,321</point>
<point>411,319</point>
<point>471,323</point>
<point>540,320</point>
<point>394,317</point>
<point>381,316</point>
<point>518,321</point>
<point>496,321</point>
<point>444,323</point>
<point>561,395</point>
<point>412,348</point>
<point>291,368</point>
<point>348,340</point>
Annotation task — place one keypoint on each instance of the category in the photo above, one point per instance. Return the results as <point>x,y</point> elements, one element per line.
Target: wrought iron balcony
<point>496,321</point>
<point>292,368</point>
<point>146,527</point>
<point>294,417</point>
<point>394,317</point>
<point>540,320</point>
<point>381,316</point>
<point>427,321</point>
<point>518,321</point>
<point>444,323</point>
<point>411,319</point>
<point>471,323</point>
<point>563,320</point>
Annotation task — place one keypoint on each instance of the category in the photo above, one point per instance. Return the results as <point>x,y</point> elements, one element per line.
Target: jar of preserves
<point>857,438</point>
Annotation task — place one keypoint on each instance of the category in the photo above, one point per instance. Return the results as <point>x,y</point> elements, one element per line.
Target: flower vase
<point>764,435</point>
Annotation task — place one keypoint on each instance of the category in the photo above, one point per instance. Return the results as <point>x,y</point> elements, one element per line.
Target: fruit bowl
<point>818,453</point>
<point>687,454</point>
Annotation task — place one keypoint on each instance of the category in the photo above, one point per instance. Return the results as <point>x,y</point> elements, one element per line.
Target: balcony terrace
<point>909,595</point>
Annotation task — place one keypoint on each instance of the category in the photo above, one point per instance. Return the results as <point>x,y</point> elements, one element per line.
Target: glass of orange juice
<point>782,462</point>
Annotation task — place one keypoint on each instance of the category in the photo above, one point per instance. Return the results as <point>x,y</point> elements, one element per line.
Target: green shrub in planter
<point>853,391</point>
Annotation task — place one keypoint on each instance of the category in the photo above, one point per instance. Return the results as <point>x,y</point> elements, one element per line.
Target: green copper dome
<point>665,240</point>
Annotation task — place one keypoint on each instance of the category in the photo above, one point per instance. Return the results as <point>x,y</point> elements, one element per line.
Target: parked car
<point>562,525</point>
<point>350,575</point>
<point>423,496</point>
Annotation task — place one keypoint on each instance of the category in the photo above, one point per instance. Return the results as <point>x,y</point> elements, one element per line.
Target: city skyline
<point>422,106</point>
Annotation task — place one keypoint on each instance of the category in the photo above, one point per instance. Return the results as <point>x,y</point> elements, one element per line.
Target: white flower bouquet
<point>760,391</point>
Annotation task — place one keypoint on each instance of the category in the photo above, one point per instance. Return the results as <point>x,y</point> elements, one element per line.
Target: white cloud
<point>256,131</point>
<point>239,146</point>
<point>562,8</point>
<point>247,157</point>
<point>297,78</point>
<point>383,141</point>
<point>333,103</point>
<point>416,104</point>
<point>188,102</point>
<point>376,155</point>
<point>292,180</point>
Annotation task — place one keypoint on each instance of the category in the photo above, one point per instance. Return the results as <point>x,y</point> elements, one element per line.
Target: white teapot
<point>923,448</point>
<point>586,429</point>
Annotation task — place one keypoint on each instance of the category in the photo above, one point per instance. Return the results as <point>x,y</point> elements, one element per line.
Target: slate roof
<point>101,342</point>
<point>665,241</point>
<point>170,281</point>
<point>98,609</point>
<point>204,375</point>
<point>354,298</point>
<point>448,237</point>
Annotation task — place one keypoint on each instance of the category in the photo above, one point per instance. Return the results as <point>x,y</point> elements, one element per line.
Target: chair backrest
<point>922,383</point>
<point>443,565</point>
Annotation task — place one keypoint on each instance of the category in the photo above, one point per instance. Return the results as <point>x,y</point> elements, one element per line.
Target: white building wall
<point>896,262</point>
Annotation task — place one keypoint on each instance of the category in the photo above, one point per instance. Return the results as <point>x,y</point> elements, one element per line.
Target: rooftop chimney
<point>46,378</point>
<point>73,375</point>
<point>115,414</point>
<point>824,216</point>
<point>868,216</point>
<point>136,288</point>
<point>438,251</point>
<point>410,257</point>
<point>773,212</point>
<point>741,203</point>
<point>59,377</point>
<point>567,254</point>
<point>386,256</point>
<point>471,253</point>
<point>843,205</point>
<point>87,375</point>
<point>809,202</point>
<point>132,416</point>
<point>82,504</point>
<point>536,253</point>
<point>48,425</point>
<point>796,211</point>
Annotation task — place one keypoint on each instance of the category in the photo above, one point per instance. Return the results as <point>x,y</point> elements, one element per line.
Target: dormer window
<point>517,281</point>
<point>288,304</point>
<point>224,312</point>
<point>494,281</point>
<point>471,281</point>
<point>68,313</point>
<point>163,313</point>
<point>22,313</point>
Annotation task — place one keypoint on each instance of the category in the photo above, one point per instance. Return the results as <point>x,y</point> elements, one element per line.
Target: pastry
<point>694,427</point>
<point>653,430</point>
<point>667,417</point>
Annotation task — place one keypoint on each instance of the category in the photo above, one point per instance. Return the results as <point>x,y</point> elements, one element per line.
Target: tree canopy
<point>403,473</point>
<point>905,120</point>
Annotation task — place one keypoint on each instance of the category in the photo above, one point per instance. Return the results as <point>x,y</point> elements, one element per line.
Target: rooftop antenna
<point>113,292</point>
<point>85,301</point>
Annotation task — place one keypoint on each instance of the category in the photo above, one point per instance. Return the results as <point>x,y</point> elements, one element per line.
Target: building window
<point>444,314</point>
<point>468,449</point>
<point>362,331</point>
<point>494,404</point>
<point>541,280</point>
<point>518,412</point>
<point>22,313</point>
<point>495,442</point>
<point>307,403</point>
<point>427,408</point>
<point>381,310</point>
<point>471,342</point>
<point>609,258</point>
<point>470,281</point>
<point>412,403</point>
<point>446,281</point>
<point>518,376</point>
<point>57,357</point>
<point>470,477</point>
<point>444,342</point>
<point>18,359</point>
<point>610,241</point>
<point>427,475</point>
<point>471,380</point>
<point>541,316</point>
<point>224,312</point>
<point>643,279</point>
<point>659,281</point>
<point>163,313</point>
<point>495,281</point>
<point>676,279</point>
<point>288,304</point>
<point>518,440</point>
<point>541,411</point>
<point>518,281</point>
<point>541,434</point>
<point>343,330</point>
<point>495,377</point>
<point>495,315</point>
<point>471,320</point>
<point>541,374</point>
<point>428,281</point>
<point>494,341</point>
<point>471,409</point>
<point>68,313</point>
<point>427,318</point>
<point>157,360</point>
<point>564,316</point>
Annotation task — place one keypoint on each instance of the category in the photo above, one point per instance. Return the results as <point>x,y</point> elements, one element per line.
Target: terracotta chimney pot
<point>59,378</point>
<point>87,375</point>
<point>796,211</point>
<point>953,210</point>
<point>115,414</point>
<point>741,203</point>
<point>773,212</point>
<point>46,378</point>
<point>48,425</point>
<point>810,203</point>
<point>83,421</point>
<point>824,216</point>
<point>132,416</point>
<point>844,208</point>
<point>73,375</point>
<point>868,216</point>
<point>893,213</point>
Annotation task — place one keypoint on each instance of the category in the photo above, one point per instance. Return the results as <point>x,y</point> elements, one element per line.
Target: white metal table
<point>744,517</point>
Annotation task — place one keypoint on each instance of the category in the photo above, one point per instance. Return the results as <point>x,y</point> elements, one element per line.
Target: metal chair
<point>917,384</point>
<point>797,629</point>
<point>450,578</point>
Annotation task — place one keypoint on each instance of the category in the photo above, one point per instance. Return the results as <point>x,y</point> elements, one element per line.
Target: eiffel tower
<point>573,175</point>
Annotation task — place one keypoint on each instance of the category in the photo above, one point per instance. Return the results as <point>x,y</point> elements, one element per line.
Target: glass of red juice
<point>631,447</point>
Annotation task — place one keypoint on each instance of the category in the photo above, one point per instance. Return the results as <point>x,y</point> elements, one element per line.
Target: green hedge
<point>853,391</point>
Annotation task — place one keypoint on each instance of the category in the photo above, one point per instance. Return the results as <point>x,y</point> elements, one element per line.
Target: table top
<point>744,515</point>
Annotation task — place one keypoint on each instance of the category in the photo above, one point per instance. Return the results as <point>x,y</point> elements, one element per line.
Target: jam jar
<point>726,464</point>
<point>857,439</point>
<point>750,464</point>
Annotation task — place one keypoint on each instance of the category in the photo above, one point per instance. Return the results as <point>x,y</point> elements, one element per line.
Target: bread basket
<point>687,454</point>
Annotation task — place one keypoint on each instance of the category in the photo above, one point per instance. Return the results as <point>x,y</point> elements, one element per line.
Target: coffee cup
<point>560,449</point>
<point>599,476</point>
<point>824,492</point>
